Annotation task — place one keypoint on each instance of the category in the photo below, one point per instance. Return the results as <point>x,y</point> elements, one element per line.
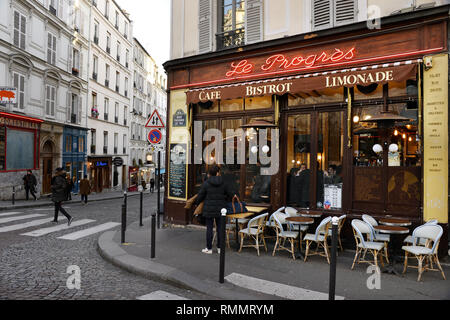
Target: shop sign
<point>118,162</point>
<point>363,79</point>
<point>101,164</point>
<point>282,62</point>
<point>179,118</point>
<point>18,123</point>
<point>8,95</point>
<point>436,138</point>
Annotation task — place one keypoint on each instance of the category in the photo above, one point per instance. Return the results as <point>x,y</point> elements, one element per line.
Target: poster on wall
<point>177,171</point>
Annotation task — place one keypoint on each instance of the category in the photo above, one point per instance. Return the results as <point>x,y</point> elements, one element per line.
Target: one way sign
<point>155,121</point>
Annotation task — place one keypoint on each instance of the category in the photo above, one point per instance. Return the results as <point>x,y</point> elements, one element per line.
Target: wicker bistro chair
<point>270,224</point>
<point>377,236</point>
<point>255,231</point>
<point>422,241</point>
<point>320,238</point>
<point>433,235</point>
<point>282,236</point>
<point>360,228</point>
<point>340,225</point>
<point>294,227</point>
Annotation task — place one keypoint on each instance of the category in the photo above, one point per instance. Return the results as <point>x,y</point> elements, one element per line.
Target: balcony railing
<point>105,117</point>
<point>108,49</point>
<point>92,149</point>
<point>94,76</point>
<point>124,150</point>
<point>52,10</point>
<point>115,150</point>
<point>230,39</point>
<point>118,58</point>
<point>126,93</point>
<point>73,118</point>
<point>96,40</point>
<point>117,89</point>
<point>116,119</point>
<point>106,83</point>
<point>105,150</point>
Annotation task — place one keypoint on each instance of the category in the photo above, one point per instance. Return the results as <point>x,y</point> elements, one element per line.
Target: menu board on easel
<point>333,196</point>
<point>177,171</point>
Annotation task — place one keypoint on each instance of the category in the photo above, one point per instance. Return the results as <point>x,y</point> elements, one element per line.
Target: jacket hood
<point>215,181</point>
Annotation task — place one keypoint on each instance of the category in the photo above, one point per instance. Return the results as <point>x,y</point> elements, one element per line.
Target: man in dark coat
<point>215,194</point>
<point>59,194</point>
<point>85,189</point>
<point>30,182</point>
<point>152,185</point>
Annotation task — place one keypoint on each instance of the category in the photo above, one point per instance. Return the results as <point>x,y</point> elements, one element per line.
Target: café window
<point>320,96</point>
<point>18,149</point>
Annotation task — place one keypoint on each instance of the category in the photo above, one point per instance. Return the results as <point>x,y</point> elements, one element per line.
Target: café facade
<point>362,116</point>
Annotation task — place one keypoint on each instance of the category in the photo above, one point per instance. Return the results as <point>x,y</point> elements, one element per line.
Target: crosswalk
<point>160,295</point>
<point>14,221</point>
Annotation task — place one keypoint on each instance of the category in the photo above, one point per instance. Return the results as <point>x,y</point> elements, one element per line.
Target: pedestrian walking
<point>152,185</point>
<point>85,189</point>
<point>70,185</point>
<point>215,194</point>
<point>30,182</point>
<point>59,194</point>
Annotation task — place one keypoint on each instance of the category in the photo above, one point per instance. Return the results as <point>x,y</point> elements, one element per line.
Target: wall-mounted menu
<point>178,171</point>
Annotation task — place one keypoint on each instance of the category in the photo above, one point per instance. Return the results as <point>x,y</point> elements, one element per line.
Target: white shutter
<point>80,109</point>
<point>49,48</point>
<point>68,105</point>
<point>53,102</point>
<point>344,12</point>
<point>253,21</point>
<point>321,14</point>
<point>80,64</point>
<point>204,26</point>
<point>54,51</point>
<point>23,31</point>
<point>69,61</point>
<point>47,100</point>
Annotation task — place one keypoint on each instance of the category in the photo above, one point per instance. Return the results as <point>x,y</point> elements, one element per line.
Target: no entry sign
<point>154,136</point>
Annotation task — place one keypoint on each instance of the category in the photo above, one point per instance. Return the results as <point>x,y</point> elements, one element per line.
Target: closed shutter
<point>47,100</point>
<point>321,14</point>
<point>68,106</point>
<point>80,109</point>
<point>53,102</point>
<point>345,12</point>
<point>49,48</point>
<point>16,28</point>
<point>23,31</point>
<point>204,26</point>
<point>253,20</point>
<point>69,60</point>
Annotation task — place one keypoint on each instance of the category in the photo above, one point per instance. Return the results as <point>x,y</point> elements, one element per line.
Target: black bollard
<point>125,198</point>
<point>140,210</point>
<point>152,254</point>
<point>14,196</point>
<point>223,222</point>
<point>124,223</point>
<point>334,241</point>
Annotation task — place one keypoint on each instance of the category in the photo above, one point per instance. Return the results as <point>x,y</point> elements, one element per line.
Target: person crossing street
<point>59,194</point>
<point>30,182</point>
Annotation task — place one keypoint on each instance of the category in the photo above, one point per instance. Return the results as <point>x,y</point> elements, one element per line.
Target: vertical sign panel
<point>436,139</point>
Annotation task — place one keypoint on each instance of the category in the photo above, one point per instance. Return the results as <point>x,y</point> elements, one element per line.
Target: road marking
<point>27,225</point>
<point>48,209</point>
<point>9,214</point>
<point>45,231</point>
<point>87,232</point>
<point>161,295</point>
<point>28,216</point>
<point>276,289</point>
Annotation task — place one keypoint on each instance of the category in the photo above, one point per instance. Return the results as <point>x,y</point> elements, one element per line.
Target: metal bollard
<point>334,241</point>
<point>152,254</point>
<point>140,210</point>
<point>125,198</point>
<point>124,223</point>
<point>223,223</point>
<point>14,196</point>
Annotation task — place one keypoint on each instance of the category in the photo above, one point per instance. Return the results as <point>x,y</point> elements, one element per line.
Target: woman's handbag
<point>199,209</point>
<point>236,206</point>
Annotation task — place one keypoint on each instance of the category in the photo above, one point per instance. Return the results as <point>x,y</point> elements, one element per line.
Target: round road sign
<point>154,136</point>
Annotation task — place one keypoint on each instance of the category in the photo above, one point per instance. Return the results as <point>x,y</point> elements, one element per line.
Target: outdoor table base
<point>394,232</point>
<point>300,221</point>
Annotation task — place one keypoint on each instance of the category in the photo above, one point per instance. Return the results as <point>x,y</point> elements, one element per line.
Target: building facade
<point>356,126</point>
<point>38,41</point>
<point>110,94</point>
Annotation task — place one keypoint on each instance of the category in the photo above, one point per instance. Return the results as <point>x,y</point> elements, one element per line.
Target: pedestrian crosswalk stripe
<point>28,216</point>
<point>276,289</point>
<point>45,231</point>
<point>26,225</point>
<point>161,295</point>
<point>9,214</point>
<point>87,232</point>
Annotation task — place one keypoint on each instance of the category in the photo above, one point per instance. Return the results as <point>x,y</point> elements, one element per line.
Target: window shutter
<point>204,26</point>
<point>80,64</point>
<point>49,48</point>
<point>23,30</point>
<point>80,109</point>
<point>54,51</point>
<point>53,103</point>
<point>68,107</point>
<point>22,92</point>
<point>344,12</point>
<point>69,61</point>
<point>322,14</point>
<point>16,28</point>
<point>47,100</point>
<point>253,21</point>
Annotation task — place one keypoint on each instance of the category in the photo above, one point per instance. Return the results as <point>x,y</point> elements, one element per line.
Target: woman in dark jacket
<point>215,194</point>
<point>59,194</point>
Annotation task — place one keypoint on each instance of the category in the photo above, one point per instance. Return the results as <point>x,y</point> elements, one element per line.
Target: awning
<point>381,74</point>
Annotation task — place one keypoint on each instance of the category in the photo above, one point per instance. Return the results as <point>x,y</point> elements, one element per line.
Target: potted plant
<point>94,112</point>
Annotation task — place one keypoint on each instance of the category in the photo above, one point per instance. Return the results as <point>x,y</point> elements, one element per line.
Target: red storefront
<point>329,94</point>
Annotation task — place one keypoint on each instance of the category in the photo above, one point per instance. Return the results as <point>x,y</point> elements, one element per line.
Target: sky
<point>151,25</point>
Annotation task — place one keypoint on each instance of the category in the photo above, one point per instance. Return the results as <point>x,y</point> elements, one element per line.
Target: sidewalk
<point>46,200</point>
<point>179,261</point>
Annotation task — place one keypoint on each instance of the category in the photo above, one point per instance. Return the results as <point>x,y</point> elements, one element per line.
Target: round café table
<point>394,231</point>
<point>395,222</point>
<point>300,221</point>
<point>310,214</point>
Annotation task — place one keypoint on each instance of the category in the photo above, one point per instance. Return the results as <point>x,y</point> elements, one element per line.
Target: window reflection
<point>316,97</point>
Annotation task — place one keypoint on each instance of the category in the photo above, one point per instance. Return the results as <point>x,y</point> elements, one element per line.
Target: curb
<point>38,205</point>
<point>113,253</point>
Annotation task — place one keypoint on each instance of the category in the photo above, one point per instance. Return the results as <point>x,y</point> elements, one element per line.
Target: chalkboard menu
<point>177,171</point>
<point>2,147</point>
